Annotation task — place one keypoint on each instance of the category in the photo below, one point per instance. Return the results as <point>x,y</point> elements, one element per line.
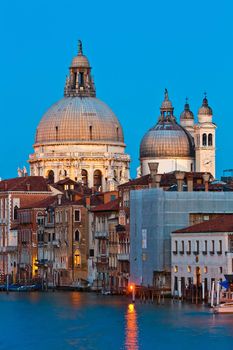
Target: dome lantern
<point>205,109</point>
<point>187,113</point>
<point>80,82</point>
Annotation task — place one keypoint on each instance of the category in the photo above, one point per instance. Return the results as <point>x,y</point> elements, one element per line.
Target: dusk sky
<point>136,49</point>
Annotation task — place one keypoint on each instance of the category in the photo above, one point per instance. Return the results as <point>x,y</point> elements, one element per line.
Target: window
<point>91,252</point>
<point>175,247</point>
<point>51,175</point>
<point>210,140</point>
<point>205,269</point>
<point>189,269</point>
<point>97,179</point>
<point>77,215</point>
<point>213,248</point>
<point>175,268</point>
<point>90,129</point>
<point>220,269</point>
<point>182,247</point>
<point>220,247</point>
<point>113,197</point>
<point>205,248</point>
<point>204,140</point>
<point>15,212</point>
<point>77,258</point>
<point>77,236</point>
<point>189,247</point>
<point>84,177</point>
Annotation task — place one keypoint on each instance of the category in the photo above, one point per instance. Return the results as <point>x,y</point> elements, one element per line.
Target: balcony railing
<point>101,234</point>
<point>123,257</point>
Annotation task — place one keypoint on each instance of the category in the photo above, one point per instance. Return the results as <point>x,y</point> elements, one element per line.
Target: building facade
<point>202,253</point>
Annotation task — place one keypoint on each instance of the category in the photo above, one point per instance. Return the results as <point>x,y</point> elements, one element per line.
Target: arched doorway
<point>97,180</point>
<point>50,176</point>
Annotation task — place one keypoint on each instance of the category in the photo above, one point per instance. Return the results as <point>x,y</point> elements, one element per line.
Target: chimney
<point>88,201</point>
<point>59,197</point>
<point>190,182</point>
<point>180,179</point>
<point>153,172</point>
<point>28,186</point>
<point>206,178</point>
<point>158,180</point>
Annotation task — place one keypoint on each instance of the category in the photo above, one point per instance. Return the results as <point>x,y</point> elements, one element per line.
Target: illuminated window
<point>205,269</point>
<point>175,268</point>
<point>189,269</point>
<point>77,258</point>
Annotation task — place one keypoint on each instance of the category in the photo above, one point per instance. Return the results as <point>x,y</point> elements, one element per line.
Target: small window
<point>189,269</point>
<point>220,269</point>
<point>205,269</point>
<point>204,140</point>
<point>77,215</point>
<point>15,212</point>
<point>175,268</point>
<point>77,236</point>
<point>210,140</point>
<point>91,252</point>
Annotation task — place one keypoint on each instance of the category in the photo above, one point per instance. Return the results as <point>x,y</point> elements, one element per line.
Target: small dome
<point>80,61</point>
<point>205,108</point>
<point>187,114</point>
<point>167,139</point>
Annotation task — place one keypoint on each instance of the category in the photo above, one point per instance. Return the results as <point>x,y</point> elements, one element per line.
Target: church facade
<point>186,146</point>
<point>80,137</point>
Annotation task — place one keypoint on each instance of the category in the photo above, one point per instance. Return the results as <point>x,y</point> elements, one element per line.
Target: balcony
<point>123,257</point>
<point>101,235</point>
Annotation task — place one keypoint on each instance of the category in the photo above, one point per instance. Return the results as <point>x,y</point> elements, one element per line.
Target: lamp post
<point>132,289</point>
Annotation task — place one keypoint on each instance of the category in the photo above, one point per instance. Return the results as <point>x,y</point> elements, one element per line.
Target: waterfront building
<point>186,146</point>
<point>202,253</point>
<point>154,214</point>
<point>80,137</point>
<point>106,251</point>
<point>14,194</point>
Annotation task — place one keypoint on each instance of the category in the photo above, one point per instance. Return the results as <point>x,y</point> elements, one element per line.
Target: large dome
<point>79,119</point>
<point>166,139</point>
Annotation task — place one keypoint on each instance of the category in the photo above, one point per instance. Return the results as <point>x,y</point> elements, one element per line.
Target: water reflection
<point>131,331</point>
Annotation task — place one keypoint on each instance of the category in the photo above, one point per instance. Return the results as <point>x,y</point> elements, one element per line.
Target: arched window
<point>115,174</point>
<point>15,212</point>
<point>204,140</point>
<point>51,176</point>
<point>97,179</point>
<point>77,236</point>
<point>210,140</point>
<point>77,258</point>
<point>84,177</point>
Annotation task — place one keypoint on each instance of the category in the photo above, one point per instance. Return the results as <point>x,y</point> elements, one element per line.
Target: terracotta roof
<point>223,223</point>
<point>110,206</point>
<point>140,181</point>
<point>27,183</point>
<point>41,203</point>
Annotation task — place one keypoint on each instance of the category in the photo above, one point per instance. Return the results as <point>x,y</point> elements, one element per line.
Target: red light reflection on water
<point>131,331</point>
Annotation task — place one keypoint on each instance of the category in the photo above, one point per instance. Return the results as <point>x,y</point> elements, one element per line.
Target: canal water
<point>86,321</point>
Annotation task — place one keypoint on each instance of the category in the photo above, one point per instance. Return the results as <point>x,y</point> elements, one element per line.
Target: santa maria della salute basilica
<point>81,138</point>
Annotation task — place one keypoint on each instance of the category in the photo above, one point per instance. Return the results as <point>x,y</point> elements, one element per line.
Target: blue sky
<point>136,49</point>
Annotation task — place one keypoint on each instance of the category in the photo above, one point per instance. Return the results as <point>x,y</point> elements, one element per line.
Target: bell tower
<point>204,134</point>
